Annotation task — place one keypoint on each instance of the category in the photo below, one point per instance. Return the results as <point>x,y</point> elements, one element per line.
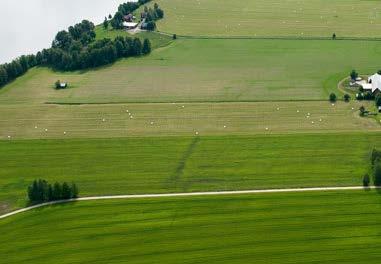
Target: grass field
<point>272,228</point>
<point>157,40</point>
<point>86,121</point>
<point>184,164</point>
<point>208,70</point>
<point>350,18</point>
<point>202,114</point>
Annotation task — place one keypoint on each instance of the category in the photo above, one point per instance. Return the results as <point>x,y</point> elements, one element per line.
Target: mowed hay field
<point>208,71</point>
<point>304,18</point>
<point>185,164</point>
<point>268,228</point>
<point>181,119</point>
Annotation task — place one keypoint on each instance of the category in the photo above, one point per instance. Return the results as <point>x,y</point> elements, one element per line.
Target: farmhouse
<point>130,25</point>
<point>373,85</point>
<point>129,18</point>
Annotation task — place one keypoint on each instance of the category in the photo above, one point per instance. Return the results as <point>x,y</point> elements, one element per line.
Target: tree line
<point>151,15</point>
<point>41,191</point>
<point>376,169</point>
<point>76,49</point>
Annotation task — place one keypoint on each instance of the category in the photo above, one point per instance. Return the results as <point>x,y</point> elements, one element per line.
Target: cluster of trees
<point>151,15</point>
<point>76,49</point>
<point>376,164</point>
<point>41,191</point>
<point>96,53</point>
<point>368,96</point>
<point>333,97</point>
<point>123,10</point>
<point>16,68</point>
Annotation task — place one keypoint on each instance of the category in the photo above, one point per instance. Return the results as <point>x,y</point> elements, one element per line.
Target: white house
<point>130,25</point>
<point>374,84</point>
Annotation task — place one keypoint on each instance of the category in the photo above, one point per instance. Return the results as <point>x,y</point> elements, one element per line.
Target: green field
<point>208,70</point>
<point>349,18</point>
<point>86,121</point>
<point>185,164</point>
<point>238,102</point>
<point>157,40</point>
<point>273,228</point>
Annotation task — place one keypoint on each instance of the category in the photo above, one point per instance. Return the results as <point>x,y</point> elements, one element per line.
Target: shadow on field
<point>176,177</point>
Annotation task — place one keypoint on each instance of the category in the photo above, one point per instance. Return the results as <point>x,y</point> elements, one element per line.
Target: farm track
<point>191,194</point>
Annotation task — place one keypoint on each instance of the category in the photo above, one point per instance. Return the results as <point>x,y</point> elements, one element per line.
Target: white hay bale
<point>46,130</point>
<point>151,123</point>
<point>131,117</point>
<point>64,132</point>
<point>35,127</point>
<point>196,133</point>
<point>278,109</point>
<point>267,128</point>
<point>103,120</point>
<point>9,136</point>
<point>312,122</point>
<point>320,120</point>
<point>224,126</point>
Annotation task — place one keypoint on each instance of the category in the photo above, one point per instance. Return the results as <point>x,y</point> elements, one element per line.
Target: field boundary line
<point>190,194</point>
<point>187,102</point>
<point>291,37</point>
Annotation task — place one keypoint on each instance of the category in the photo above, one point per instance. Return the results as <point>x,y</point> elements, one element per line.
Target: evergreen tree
<point>146,46</point>
<point>378,100</point>
<point>137,47</point>
<point>33,192</point>
<point>3,76</point>
<point>24,63</point>
<point>377,174</point>
<point>74,190</point>
<point>332,97</point>
<point>66,191</point>
<point>57,191</point>
<point>105,23</point>
<point>50,193</point>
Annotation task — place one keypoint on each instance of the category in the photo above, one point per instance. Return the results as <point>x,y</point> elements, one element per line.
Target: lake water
<point>27,26</point>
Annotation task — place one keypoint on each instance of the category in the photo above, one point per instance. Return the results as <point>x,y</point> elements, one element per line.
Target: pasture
<point>185,164</point>
<point>181,119</point>
<point>208,71</point>
<point>157,40</point>
<point>308,18</point>
<point>331,227</point>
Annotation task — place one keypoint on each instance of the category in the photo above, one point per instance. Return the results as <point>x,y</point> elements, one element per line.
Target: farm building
<point>61,85</point>
<point>373,85</point>
<point>129,18</point>
<point>130,25</point>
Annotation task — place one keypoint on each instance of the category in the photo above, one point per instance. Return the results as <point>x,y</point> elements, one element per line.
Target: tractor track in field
<point>190,194</point>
